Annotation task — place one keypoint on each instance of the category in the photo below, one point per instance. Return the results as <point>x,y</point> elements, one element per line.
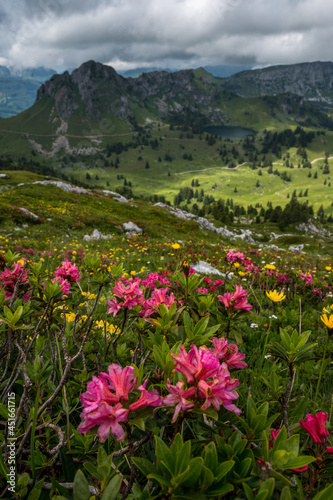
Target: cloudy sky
<point>126,34</point>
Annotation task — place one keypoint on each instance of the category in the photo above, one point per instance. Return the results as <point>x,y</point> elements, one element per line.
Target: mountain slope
<point>313,81</point>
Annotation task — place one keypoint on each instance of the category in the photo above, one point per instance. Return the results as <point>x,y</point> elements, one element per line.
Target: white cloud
<point>178,33</point>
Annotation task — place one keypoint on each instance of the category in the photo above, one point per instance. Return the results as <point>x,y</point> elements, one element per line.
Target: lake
<point>229,132</point>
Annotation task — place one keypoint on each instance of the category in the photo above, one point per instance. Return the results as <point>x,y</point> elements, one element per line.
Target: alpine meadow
<point>166,284</point>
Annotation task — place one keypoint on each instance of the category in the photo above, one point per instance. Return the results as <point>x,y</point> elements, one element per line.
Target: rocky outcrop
<point>115,196</point>
<point>245,234</point>
<point>99,90</point>
<point>97,235</point>
<point>131,228</point>
<point>314,81</point>
<point>69,188</point>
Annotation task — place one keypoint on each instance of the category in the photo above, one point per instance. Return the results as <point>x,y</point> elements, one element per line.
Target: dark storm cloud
<point>179,33</point>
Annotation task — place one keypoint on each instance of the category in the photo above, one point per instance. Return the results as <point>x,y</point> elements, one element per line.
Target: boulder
<point>97,235</point>
<point>28,213</point>
<point>296,248</point>
<point>131,228</point>
<point>204,267</point>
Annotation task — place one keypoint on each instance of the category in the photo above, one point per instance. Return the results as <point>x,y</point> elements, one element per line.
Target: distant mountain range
<point>18,89</point>
<point>313,81</point>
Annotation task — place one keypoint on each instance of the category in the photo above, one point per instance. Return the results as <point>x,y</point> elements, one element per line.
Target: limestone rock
<point>69,188</point>
<point>115,196</point>
<point>28,213</point>
<point>131,228</point>
<point>204,267</point>
<point>97,235</point>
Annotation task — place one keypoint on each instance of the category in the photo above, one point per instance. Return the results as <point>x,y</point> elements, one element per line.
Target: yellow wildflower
<point>328,268</point>
<point>275,296</point>
<point>328,321</point>
<point>270,266</point>
<point>175,246</point>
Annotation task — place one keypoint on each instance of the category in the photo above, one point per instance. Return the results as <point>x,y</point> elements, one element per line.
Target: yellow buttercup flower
<point>328,321</point>
<point>175,246</point>
<point>328,268</point>
<point>270,266</point>
<point>275,296</point>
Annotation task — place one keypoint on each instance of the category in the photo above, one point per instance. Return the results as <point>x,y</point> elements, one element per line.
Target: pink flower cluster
<point>208,378</point>
<point>66,274</point>
<point>236,301</point>
<point>307,278</point>
<point>235,256</point>
<point>210,284</point>
<point>10,277</point>
<point>315,425</point>
<point>131,295</point>
<point>106,401</point>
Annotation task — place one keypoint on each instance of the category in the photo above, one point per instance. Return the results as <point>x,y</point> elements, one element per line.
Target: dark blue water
<point>229,132</point>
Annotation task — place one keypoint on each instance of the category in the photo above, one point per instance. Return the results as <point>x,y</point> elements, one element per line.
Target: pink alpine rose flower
<point>197,364</point>
<point>64,284</point>
<point>107,418</point>
<point>236,300</point>
<point>220,391</point>
<point>68,271</point>
<point>147,398</point>
<point>114,306</point>
<point>179,397</point>
<point>121,380</point>
<point>315,426</point>
<point>228,353</point>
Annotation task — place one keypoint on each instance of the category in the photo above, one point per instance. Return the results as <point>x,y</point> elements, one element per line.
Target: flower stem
<point>321,369</point>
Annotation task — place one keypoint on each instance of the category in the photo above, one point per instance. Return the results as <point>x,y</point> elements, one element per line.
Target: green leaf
<point>285,494</point>
<point>139,423</point>
<point>248,491</point>
<point>325,494</point>
<point>36,491</point>
<point>280,458</point>
<point>81,487</point>
<point>112,489</point>
<point>206,478</point>
<point>210,456</point>
<point>183,457</point>
<point>244,467</point>
<point>223,469</point>
<point>296,463</point>
<point>92,470</point>
<point>268,486</point>
<point>223,489</point>
<point>160,479</point>
<point>144,465</point>
<point>263,495</point>
<point>281,477</point>
<point>193,473</point>
<point>164,455</point>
